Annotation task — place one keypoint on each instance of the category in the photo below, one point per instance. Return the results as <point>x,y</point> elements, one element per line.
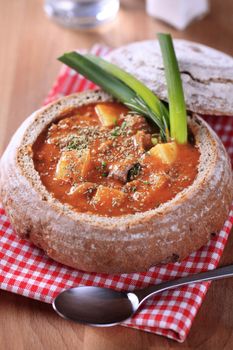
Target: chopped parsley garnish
<point>154,140</point>
<point>116,131</point>
<point>76,144</point>
<point>123,125</point>
<point>73,144</point>
<point>146,182</point>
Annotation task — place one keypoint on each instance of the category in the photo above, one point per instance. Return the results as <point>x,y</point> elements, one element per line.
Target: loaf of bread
<point>128,243</point>
<point>207,74</point>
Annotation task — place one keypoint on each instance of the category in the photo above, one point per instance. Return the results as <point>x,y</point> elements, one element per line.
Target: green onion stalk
<point>134,94</point>
<point>177,108</point>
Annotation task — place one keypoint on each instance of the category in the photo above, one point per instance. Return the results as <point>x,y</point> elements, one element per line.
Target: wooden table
<point>30,44</point>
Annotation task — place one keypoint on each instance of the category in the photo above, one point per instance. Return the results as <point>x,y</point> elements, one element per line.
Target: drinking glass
<point>82,14</point>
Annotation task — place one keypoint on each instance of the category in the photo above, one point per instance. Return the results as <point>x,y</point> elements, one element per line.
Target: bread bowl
<point>100,189</point>
<point>125,243</point>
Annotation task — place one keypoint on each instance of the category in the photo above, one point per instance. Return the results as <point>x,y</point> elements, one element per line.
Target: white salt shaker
<point>178,13</point>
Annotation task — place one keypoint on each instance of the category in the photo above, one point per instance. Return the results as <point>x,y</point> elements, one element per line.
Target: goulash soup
<point>102,159</point>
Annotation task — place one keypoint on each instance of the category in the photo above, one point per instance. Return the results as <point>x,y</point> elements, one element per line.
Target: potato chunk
<point>72,167</point>
<point>108,115</point>
<point>85,164</point>
<point>65,165</point>
<point>109,197</point>
<point>166,152</point>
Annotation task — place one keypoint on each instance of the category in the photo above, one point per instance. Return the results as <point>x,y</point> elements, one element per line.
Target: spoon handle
<point>222,272</point>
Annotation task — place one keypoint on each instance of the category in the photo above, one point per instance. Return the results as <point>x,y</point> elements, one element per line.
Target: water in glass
<point>81,13</point>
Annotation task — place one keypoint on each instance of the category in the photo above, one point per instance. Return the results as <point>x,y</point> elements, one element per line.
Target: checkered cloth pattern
<point>25,270</point>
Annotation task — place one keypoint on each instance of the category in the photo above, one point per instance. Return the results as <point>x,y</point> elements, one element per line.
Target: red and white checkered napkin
<point>25,270</point>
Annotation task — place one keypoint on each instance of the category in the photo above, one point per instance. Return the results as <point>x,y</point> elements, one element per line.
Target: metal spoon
<point>103,307</point>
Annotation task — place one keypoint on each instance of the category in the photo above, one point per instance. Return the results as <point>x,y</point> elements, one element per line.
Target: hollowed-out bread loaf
<point>127,243</point>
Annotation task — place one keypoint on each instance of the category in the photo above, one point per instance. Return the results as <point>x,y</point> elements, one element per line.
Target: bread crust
<point>129,243</point>
<point>207,74</point>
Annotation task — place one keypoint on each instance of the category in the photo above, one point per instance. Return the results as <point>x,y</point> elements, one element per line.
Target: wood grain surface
<point>29,45</point>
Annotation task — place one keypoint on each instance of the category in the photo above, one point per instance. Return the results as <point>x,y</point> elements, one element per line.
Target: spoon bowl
<point>95,306</point>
